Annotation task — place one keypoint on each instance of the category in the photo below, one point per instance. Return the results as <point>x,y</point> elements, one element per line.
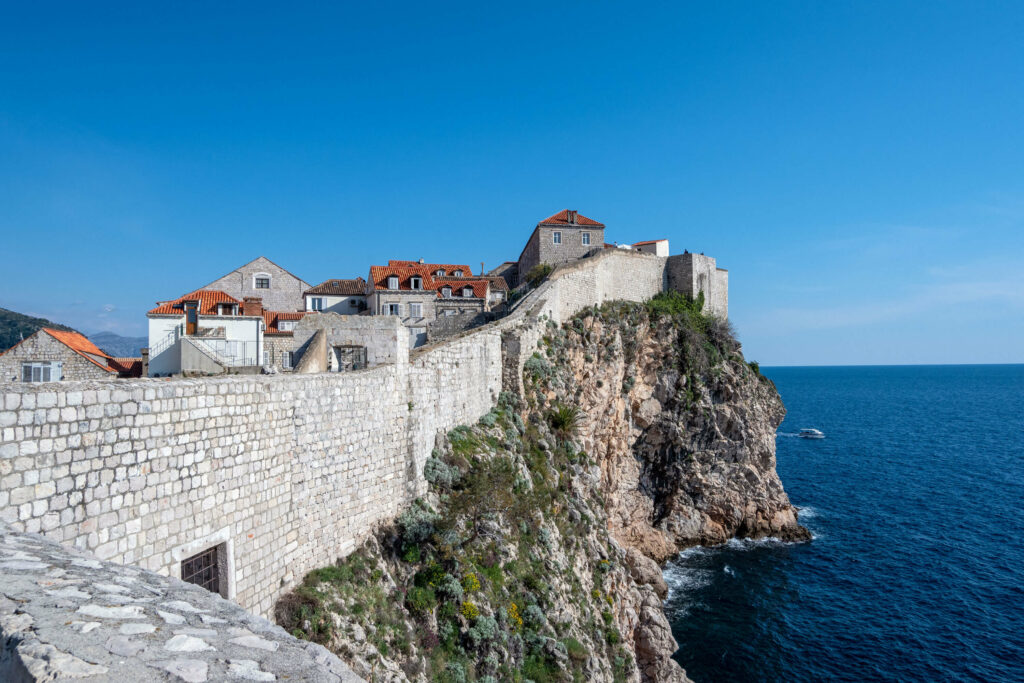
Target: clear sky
<point>858,167</point>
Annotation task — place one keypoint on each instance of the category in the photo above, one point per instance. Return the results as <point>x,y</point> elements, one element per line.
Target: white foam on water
<point>807,512</point>
<point>728,570</point>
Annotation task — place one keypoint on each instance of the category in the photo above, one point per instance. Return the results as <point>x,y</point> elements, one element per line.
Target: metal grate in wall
<point>202,570</point>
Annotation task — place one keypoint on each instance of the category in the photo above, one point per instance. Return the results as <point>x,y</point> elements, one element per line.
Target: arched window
<point>457,273</point>
<point>439,272</point>
<point>392,282</point>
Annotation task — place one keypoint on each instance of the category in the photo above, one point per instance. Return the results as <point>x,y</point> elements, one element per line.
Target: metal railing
<point>229,353</point>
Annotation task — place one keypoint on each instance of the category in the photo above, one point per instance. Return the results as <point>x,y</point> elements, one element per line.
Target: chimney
<point>482,268</point>
<point>571,216</point>
<point>252,305</point>
<point>145,362</point>
<point>421,260</point>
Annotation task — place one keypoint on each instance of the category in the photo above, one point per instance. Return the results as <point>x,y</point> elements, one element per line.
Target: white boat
<point>810,434</point>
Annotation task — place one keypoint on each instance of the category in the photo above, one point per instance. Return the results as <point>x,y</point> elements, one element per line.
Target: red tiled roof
<point>458,284</point>
<point>562,218</point>
<point>207,298</point>
<point>83,347</point>
<point>339,287</point>
<point>128,367</point>
<point>379,276</point>
<point>448,268</point>
<point>271,318</point>
<point>637,244</point>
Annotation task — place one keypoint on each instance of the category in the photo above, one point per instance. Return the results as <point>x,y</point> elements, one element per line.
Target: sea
<point>915,500</point>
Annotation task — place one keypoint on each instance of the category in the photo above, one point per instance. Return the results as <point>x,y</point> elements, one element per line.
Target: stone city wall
<point>282,473</point>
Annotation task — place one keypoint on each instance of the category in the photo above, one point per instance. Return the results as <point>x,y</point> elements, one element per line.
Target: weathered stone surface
<point>43,638</point>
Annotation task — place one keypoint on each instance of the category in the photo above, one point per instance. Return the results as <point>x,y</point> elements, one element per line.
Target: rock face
<point>687,454</point>
<point>640,431</point>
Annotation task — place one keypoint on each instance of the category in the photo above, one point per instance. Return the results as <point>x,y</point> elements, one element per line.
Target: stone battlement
<point>280,473</point>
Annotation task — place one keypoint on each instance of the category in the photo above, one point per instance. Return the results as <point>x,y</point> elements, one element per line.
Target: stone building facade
<point>695,273</point>
<point>561,238</point>
<point>279,289</point>
<point>55,355</point>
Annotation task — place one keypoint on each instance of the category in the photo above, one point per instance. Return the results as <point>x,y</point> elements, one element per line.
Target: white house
<point>345,297</point>
<point>656,247</point>
<point>205,332</point>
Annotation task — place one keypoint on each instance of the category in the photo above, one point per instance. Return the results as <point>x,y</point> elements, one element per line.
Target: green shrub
<point>420,601</point>
<point>576,651</point>
<point>537,367</point>
<point>565,420</point>
<point>417,523</point>
<point>469,610</point>
<point>482,631</point>
<point>440,474</point>
<point>755,366</point>
<point>538,273</point>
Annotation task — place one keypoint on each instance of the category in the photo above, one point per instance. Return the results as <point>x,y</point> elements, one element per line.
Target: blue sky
<point>857,167</point>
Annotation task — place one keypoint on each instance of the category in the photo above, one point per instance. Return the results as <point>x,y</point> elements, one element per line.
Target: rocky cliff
<point>640,431</point>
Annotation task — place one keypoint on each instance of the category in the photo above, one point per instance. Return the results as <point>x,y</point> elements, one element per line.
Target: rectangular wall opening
<point>208,569</point>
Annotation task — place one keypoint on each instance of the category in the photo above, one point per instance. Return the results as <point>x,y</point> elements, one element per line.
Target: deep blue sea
<point>916,571</point>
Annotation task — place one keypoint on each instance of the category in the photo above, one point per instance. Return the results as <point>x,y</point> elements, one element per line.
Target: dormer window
<point>446,292</point>
<point>416,282</point>
<point>439,272</point>
<point>392,282</point>
<point>467,291</point>
<point>457,273</point>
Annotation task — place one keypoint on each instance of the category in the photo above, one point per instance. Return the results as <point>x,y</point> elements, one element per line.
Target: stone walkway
<point>65,614</point>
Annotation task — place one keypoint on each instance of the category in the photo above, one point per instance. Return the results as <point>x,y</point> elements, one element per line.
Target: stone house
<point>278,339</point>
<point>418,293</point>
<point>656,247</point>
<point>345,297</point>
<point>563,237</point>
<point>55,355</point>
<point>205,332</point>
<point>278,289</point>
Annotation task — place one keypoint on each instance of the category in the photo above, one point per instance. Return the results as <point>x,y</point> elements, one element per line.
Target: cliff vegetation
<point>535,554</point>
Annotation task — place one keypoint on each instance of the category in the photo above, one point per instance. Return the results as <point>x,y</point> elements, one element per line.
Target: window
<point>286,325</point>
<point>457,273</point>
<point>586,239</point>
<point>416,310</point>
<point>266,357</point>
<point>449,311</point>
<point>556,237</point>
<point>446,292</point>
<point>286,359</point>
<point>40,372</point>
<point>261,281</point>
<point>439,272</point>
<point>392,282</point>
<point>203,570</point>
<point>467,291</point>
<point>416,282</point>
<point>392,309</point>
<point>316,303</point>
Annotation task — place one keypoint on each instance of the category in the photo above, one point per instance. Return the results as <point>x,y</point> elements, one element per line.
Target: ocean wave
<point>806,512</point>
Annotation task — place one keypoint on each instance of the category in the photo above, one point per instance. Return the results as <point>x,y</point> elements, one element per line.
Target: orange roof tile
<point>272,318</point>
<point>562,218</point>
<point>448,268</point>
<point>83,347</point>
<point>207,298</point>
<point>637,244</point>
<point>458,284</point>
<point>129,367</point>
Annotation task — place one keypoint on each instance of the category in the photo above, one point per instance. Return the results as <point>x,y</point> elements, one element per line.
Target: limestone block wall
<point>284,472</point>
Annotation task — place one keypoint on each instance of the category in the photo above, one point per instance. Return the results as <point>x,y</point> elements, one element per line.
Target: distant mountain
<point>118,346</point>
<point>17,326</point>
